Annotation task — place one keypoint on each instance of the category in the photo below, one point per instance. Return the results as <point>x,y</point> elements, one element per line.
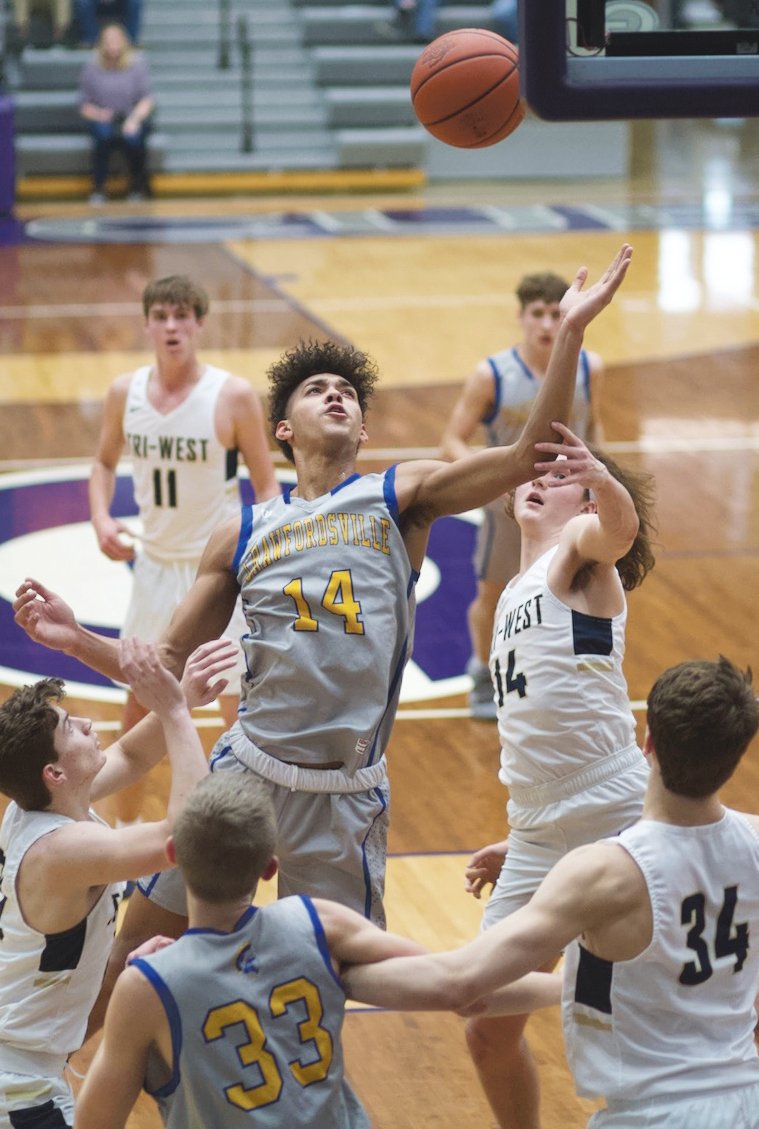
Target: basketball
<point>465,88</point>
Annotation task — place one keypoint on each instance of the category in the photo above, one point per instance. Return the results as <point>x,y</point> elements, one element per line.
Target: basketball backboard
<point>583,60</point>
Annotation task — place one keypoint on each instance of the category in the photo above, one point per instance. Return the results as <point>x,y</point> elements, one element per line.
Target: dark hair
<point>175,290</point>
<point>639,559</point>
<point>27,729</point>
<point>309,358</point>
<point>701,718</point>
<point>542,287</point>
<point>224,836</point>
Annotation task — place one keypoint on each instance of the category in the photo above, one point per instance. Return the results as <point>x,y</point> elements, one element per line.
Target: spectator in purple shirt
<point>115,102</point>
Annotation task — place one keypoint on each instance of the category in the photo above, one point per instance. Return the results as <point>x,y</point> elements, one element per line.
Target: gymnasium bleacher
<point>326,91</point>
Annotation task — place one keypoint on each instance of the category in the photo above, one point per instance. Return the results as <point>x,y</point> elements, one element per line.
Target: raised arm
<point>103,476</point>
<point>604,536</point>
<point>475,402</point>
<point>202,615</point>
<point>427,490</point>
<point>145,745</point>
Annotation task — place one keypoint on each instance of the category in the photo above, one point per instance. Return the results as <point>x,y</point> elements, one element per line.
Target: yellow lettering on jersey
<point>339,599</point>
<point>218,1020</point>
<point>310,1030</point>
<point>305,621</point>
<point>308,526</point>
<point>321,529</point>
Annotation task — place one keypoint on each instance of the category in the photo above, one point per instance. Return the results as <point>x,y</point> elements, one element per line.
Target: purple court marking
<point>441,645</point>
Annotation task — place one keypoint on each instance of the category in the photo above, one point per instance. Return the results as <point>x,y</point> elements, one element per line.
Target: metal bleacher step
<point>350,65</point>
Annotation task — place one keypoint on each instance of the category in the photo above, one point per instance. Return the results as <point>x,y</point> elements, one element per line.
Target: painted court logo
<point>45,532</point>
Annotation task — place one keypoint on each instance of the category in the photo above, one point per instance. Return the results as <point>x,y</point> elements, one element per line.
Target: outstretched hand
<point>200,680</point>
<point>44,616</point>
<point>579,306</point>
<point>484,867</point>
<point>570,461</point>
<point>154,686</point>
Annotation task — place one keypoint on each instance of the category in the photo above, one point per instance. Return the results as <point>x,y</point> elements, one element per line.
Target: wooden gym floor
<point>681,401</point>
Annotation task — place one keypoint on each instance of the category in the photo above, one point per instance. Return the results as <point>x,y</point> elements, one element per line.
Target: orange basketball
<point>465,88</point>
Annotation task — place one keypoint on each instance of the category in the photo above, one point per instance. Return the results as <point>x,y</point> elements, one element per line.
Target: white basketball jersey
<point>185,481</point>
<point>515,388</point>
<point>256,1018</point>
<point>678,1019</point>
<point>328,594</point>
<point>561,696</point>
<point>48,983</point>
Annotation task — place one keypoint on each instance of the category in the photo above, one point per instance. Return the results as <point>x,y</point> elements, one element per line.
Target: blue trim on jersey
<point>225,750</point>
<point>346,482</point>
<point>413,577</point>
<point>523,365</point>
<point>145,885</point>
<point>585,368</point>
<point>246,528</point>
<point>497,393</point>
<point>321,939</point>
<point>591,634</point>
<point>397,674</point>
<point>243,920</point>
<point>390,496</point>
<point>174,1020</point>
<point>379,795</point>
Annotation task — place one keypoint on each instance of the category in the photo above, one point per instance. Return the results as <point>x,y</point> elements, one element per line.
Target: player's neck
<point>177,372</point>
<point>681,811</point>
<point>222,917</point>
<point>534,544</point>
<point>320,474</point>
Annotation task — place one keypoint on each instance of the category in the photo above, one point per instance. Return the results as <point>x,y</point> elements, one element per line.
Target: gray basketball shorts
<point>330,844</point>
<point>497,548</point>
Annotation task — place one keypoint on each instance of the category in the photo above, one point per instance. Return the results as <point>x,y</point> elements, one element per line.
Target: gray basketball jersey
<point>256,1017</point>
<point>678,1019</point>
<point>328,595</point>
<point>516,386</point>
<point>48,982</point>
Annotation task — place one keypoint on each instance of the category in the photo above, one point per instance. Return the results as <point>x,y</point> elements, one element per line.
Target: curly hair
<point>27,731</point>
<point>309,358</point>
<point>638,561</point>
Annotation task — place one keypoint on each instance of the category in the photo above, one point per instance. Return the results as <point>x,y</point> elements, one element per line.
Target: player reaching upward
<point>569,755</point>
<point>660,974</point>
<point>62,868</point>
<point>498,396</point>
<point>327,573</point>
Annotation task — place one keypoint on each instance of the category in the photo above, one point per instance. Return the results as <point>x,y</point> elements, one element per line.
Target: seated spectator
<point>91,14</point>
<point>413,20</point>
<point>116,104</point>
<point>60,11</point>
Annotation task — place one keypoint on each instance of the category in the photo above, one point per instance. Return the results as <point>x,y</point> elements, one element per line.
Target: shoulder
<point>236,392</point>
